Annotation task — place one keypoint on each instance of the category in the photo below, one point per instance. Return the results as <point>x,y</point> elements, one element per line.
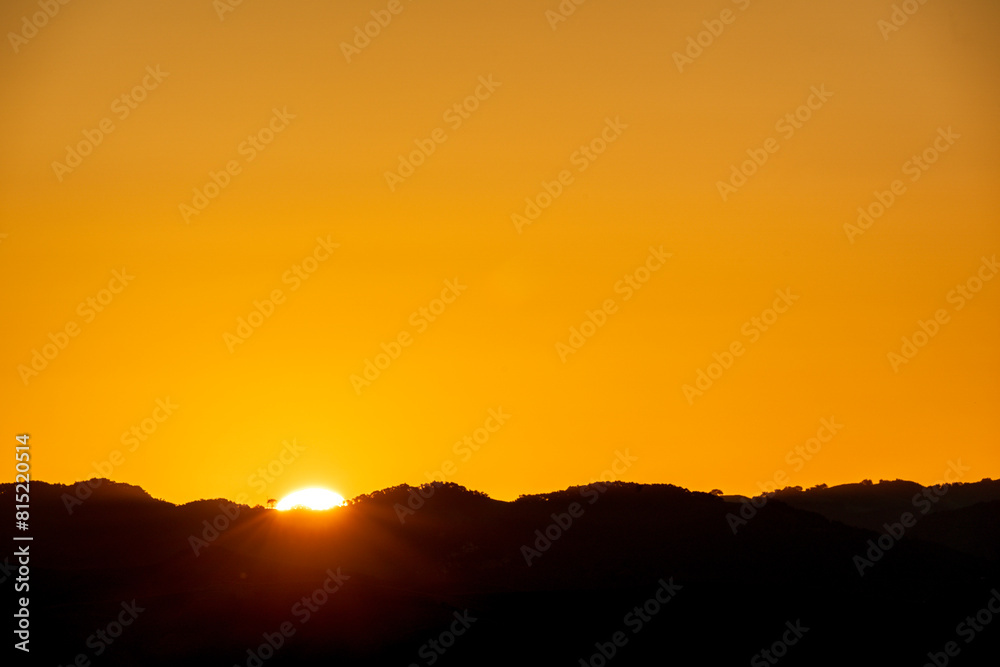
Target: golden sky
<point>550,229</point>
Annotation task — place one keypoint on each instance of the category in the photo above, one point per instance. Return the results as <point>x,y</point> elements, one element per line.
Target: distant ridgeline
<point>603,574</point>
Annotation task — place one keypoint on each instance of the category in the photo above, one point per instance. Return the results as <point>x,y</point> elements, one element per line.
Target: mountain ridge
<point>556,572</point>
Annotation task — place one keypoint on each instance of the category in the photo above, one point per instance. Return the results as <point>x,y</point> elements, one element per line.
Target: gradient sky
<point>608,68</point>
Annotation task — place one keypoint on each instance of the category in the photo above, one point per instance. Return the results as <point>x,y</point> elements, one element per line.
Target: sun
<point>313,498</point>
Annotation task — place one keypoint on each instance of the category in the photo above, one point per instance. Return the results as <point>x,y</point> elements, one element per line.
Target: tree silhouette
<point>271,503</point>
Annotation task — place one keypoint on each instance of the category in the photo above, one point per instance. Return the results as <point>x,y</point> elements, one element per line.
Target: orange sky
<point>248,160</point>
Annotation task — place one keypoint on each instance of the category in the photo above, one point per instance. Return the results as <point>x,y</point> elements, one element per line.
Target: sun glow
<point>314,498</point>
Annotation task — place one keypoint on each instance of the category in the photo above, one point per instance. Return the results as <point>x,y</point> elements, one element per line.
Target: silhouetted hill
<point>870,505</point>
<point>548,578</point>
<point>973,530</point>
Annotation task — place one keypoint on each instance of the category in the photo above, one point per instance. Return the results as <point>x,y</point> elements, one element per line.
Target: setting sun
<point>313,498</point>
